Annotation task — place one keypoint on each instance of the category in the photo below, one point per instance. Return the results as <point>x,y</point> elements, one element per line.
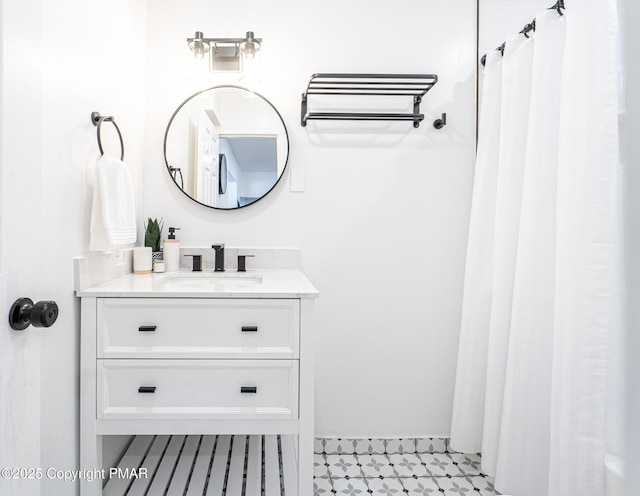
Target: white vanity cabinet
<point>158,363</point>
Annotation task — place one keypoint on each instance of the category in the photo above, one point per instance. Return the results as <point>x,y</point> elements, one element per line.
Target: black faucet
<point>219,264</point>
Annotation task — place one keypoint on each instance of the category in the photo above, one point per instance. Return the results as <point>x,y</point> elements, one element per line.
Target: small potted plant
<point>152,237</point>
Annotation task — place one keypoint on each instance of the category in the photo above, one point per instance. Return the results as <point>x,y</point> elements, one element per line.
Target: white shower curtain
<point>589,246</point>
<point>524,425</point>
<point>516,94</point>
<point>468,413</point>
<point>531,383</point>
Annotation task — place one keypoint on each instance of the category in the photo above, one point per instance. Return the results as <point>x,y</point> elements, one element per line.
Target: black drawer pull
<point>147,389</point>
<point>249,328</point>
<point>146,328</point>
<point>248,389</point>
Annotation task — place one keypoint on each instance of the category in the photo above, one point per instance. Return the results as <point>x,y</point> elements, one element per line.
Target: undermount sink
<point>205,279</point>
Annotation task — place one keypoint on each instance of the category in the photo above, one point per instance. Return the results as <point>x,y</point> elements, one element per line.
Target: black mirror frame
<point>166,134</point>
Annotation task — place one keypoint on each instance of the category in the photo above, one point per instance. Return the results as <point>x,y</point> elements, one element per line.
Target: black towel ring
<point>97,120</point>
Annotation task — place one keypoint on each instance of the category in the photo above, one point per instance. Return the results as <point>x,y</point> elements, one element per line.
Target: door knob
<point>24,313</point>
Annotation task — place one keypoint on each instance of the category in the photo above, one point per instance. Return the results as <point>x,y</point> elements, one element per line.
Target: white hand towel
<point>98,240</point>
<point>113,216</point>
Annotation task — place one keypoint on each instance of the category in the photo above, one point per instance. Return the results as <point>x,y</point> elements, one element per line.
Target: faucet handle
<point>242,262</point>
<point>197,263</point>
<point>218,246</point>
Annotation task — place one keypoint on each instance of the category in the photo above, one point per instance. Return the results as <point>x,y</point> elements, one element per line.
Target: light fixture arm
<point>199,37</point>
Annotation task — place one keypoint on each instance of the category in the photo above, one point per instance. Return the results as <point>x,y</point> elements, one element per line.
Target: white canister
<point>159,266</point>
<point>142,260</point>
<point>171,254</point>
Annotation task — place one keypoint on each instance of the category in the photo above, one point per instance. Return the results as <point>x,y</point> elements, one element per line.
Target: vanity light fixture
<point>225,54</point>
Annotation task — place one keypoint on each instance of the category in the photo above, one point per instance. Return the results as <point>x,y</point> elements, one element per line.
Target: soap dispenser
<point>171,251</point>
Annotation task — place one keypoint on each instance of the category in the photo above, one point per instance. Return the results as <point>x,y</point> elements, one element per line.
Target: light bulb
<point>198,46</point>
<point>198,50</point>
<point>250,46</point>
<point>200,74</point>
<point>250,71</point>
<point>249,50</point>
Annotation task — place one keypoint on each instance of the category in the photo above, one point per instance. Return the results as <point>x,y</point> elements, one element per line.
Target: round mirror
<point>226,147</point>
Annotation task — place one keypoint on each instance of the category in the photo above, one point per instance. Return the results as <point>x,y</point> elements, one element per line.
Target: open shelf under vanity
<point>206,465</point>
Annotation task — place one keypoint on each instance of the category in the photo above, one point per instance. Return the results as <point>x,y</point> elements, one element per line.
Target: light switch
<point>297,180</point>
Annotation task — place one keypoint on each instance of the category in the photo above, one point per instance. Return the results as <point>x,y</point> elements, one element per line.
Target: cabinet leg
<point>91,460</point>
<point>305,465</point>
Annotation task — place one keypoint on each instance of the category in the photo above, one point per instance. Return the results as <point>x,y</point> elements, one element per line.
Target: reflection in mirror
<point>226,147</point>
<point>223,175</point>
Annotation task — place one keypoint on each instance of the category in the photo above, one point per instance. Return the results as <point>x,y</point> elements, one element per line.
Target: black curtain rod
<point>558,6</point>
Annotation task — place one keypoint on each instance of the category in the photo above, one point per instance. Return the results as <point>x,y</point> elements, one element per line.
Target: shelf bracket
<point>417,100</point>
<point>303,110</point>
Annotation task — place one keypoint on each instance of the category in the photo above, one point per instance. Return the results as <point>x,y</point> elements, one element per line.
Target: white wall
<point>383,221</point>
<point>78,57</point>
<point>501,19</point>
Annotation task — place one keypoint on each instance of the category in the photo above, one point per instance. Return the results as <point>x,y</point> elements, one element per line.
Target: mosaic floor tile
<point>422,486</point>
<point>396,467</point>
<point>483,484</point>
<point>322,487</point>
<point>386,487</point>
<point>469,464</point>
<point>408,465</point>
<point>339,446</point>
<point>401,446</point>
<point>376,466</point>
<point>318,445</point>
<point>370,446</point>
<point>455,486</point>
<point>349,487</point>
<point>343,466</point>
<point>431,445</point>
<point>440,464</point>
<point>320,468</point>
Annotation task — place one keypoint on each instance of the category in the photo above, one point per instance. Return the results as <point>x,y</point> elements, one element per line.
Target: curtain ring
<point>97,120</point>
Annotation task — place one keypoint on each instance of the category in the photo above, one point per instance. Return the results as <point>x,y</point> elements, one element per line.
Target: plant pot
<point>156,255</point>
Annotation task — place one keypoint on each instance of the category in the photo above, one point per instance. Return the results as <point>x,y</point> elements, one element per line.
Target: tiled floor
<point>396,467</point>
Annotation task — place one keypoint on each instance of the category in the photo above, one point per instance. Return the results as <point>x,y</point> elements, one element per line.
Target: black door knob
<point>24,313</point>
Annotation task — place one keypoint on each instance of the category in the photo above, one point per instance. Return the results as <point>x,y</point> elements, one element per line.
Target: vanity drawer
<point>198,328</point>
<point>197,389</point>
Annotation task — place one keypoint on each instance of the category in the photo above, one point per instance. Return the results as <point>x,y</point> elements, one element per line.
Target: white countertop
<point>264,283</point>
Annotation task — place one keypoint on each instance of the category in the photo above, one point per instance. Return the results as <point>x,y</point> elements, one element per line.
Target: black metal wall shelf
<point>413,85</point>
